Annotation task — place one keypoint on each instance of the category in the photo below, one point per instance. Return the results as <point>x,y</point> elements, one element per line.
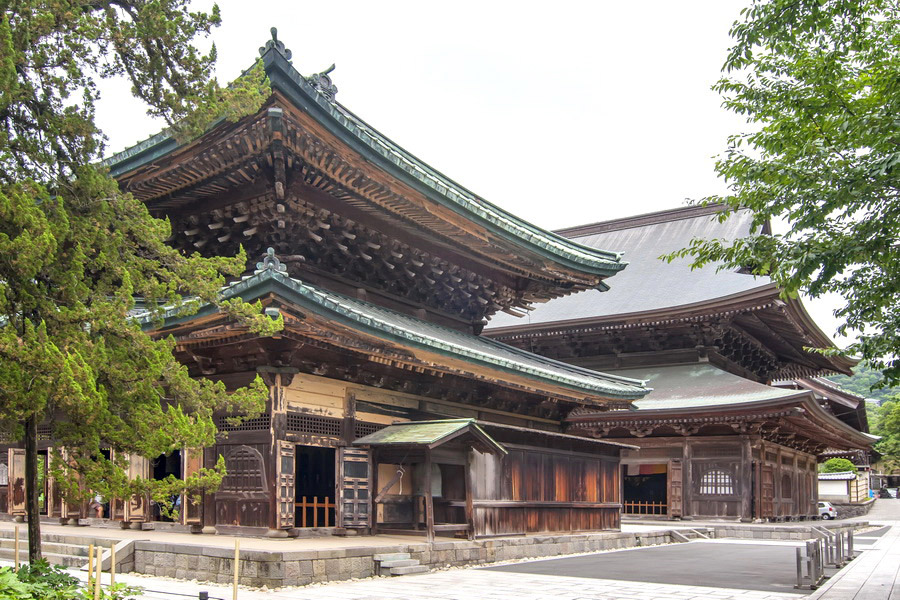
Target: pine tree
<point>75,252</point>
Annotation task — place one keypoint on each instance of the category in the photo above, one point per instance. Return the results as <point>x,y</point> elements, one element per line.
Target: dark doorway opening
<point>315,479</point>
<point>163,466</point>
<point>645,489</point>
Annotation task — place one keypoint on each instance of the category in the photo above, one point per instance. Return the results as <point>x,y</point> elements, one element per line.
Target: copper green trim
<point>426,433</point>
<point>381,150</point>
<point>410,331</point>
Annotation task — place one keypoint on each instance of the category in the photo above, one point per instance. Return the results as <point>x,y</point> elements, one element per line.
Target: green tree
<point>862,381</point>
<point>75,252</point>
<point>888,427</point>
<point>837,465</point>
<point>819,83</point>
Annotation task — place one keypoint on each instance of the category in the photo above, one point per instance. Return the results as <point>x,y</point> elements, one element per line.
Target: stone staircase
<point>64,550</point>
<point>398,563</point>
<point>686,535</point>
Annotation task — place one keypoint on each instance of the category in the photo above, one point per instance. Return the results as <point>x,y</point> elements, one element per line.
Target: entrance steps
<point>398,563</point>
<point>686,535</point>
<point>63,550</point>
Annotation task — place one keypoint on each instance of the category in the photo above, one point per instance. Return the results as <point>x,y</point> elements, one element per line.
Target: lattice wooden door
<point>286,482</point>
<point>16,477</point>
<point>354,483</point>
<point>675,494</point>
<point>766,492</point>
<point>191,463</point>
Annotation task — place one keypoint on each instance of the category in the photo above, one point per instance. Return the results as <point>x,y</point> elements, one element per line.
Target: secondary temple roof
<point>442,347</point>
<point>685,399</point>
<point>746,316</point>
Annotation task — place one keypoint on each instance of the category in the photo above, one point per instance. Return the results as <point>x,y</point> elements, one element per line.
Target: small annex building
<point>844,487</point>
<point>737,417</point>
<point>388,411</point>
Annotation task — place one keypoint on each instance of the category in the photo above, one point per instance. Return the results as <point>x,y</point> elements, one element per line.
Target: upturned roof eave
<point>303,295</point>
<point>737,301</point>
<point>390,157</point>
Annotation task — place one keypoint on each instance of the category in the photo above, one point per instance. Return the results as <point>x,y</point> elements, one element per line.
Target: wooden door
<point>675,495</point>
<point>191,463</point>
<point>70,509</point>
<point>354,488</point>
<point>767,492</point>
<point>285,481</point>
<point>136,507</point>
<point>16,477</point>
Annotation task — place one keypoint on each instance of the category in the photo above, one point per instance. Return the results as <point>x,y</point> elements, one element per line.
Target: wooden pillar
<point>687,482</point>
<point>746,478</point>
<point>373,491</point>
<point>470,505</point>
<point>429,501</point>
<point>779,493</point>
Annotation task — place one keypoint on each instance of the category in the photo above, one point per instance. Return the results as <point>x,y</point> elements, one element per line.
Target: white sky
<point>562,113</point>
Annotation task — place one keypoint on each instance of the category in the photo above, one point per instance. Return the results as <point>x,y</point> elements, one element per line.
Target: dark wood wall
<point>732,477</point>
<point>534,489</point>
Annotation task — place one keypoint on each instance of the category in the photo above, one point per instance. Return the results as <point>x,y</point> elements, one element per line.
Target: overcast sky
<point>561,112</point>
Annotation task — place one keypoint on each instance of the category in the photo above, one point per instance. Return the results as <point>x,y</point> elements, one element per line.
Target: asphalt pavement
<point>763,566</point>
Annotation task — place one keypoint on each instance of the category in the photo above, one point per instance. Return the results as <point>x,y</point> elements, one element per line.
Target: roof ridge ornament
<point>270,262</point>
<point>323,84</point>
<point>275,44</point>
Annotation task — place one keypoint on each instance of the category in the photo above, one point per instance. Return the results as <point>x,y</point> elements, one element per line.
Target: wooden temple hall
<point>388,410</point>
<point>738,416</point>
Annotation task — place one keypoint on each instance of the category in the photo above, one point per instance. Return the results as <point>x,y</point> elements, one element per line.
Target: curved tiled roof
<point>410,331</point>
<point>286,79</point>
<point>649,283</point>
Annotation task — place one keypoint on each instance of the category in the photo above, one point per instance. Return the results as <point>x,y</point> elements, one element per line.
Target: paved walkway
<point>875,575</point>
<point>464,584</point>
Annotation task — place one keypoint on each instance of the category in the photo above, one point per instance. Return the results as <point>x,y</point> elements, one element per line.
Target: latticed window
<point>245,471</point>
<point>717,482</point>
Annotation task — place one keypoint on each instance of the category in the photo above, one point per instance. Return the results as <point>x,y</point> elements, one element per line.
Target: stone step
<point>409,570</point>
<point>74,538</point>
<point>394,556</point>
<point>52,547</point>
<point>65,560</point>
<point>390,564</point>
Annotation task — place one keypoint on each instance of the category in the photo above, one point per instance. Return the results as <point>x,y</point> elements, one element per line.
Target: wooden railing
<point>314,505</point>
<point>645,508</point>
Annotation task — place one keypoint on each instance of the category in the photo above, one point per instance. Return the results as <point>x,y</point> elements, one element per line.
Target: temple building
<point>738,415</point>
<point>388,411</point>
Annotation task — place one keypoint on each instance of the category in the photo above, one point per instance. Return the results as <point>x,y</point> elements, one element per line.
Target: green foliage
<point>837,465</point>
<point>42,581</point>
<point>819,81</point>
<point>883,418</point>
<point>75,252</point>
<point>863,382</point>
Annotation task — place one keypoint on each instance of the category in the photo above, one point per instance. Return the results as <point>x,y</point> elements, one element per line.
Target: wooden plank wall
<point>534,490</point>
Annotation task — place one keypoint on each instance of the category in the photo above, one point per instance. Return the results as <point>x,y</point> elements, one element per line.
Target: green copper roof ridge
<point>451,190</point>
<point>322,298</point>
<point>569,376</point>
<point>459,198</point>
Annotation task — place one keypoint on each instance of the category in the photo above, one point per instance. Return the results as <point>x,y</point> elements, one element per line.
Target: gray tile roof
<point>649,283</point>
<point>700,385</point>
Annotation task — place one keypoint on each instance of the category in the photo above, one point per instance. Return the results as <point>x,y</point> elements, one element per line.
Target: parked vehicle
<point>827,511</point>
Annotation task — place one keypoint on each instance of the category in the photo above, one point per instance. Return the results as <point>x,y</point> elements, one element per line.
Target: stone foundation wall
<point>846,510</point>
<point>277,569</point>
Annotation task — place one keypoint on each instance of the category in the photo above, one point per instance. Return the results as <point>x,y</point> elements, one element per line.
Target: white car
<point>827,511</point>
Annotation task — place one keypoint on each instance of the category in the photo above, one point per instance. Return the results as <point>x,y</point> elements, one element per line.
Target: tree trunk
<point>32,493</point>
